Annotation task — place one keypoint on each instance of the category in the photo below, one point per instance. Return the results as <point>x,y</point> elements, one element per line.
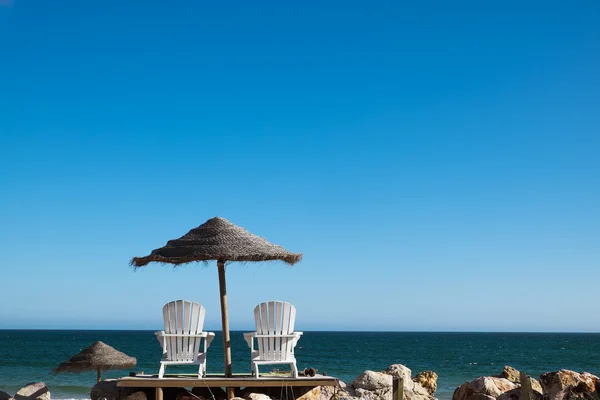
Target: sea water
<point>31,355</point>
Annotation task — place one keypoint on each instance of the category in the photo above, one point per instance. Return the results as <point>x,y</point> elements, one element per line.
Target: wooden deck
<point>238,381</point>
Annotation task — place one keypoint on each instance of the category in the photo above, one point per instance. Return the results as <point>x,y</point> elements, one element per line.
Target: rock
<point>511,374</point>
<point>139,395</point>
<point>428,380</point>
<point>257,396</point>
<point>418,392</point>
<point>205,393</point>
<point>487,385</point>
<point>303,393</point>
<point>515,394</point>
<point>370,380</point>
<point>33,391</point>
<point>169,393</point>
<point>187,395</point>
<point>566,384</point>
<point>5,396</point>
<point>479,396</point>
<point>377,394</point>
<point>341,393</point>
<point>535,385</point>
<point>107,389</point>
<point>401,371</point>
<point>514,376</point>
<point>319,393</point>
<point>379,385</point>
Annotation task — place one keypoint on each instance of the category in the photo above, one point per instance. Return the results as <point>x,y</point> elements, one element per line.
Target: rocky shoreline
<point>370,385</point>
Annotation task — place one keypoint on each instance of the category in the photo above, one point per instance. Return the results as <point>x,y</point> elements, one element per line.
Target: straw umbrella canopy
<point>220,240</point>
<point>98,357</point>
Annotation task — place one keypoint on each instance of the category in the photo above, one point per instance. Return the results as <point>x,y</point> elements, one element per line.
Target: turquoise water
<point>27,356</point>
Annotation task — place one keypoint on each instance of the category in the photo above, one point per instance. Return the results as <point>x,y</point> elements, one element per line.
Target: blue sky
<point>437,163</point>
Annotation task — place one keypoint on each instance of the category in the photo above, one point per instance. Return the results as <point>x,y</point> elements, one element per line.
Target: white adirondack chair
<point>275,336</point>
<point>182,336</point>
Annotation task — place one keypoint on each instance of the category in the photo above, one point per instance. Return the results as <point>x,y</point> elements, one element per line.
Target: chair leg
<point>255,369</point>
<point>200,371</point>
<point>161,371</point>
<point>294,370</point>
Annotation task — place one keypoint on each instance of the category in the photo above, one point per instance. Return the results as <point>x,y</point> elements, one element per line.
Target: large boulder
<point>206,393</point>
<point>566,384</point>
<point>514,375</point>
<point>485,385</point>
<point>139,395</point>
<point>299,392</point>
<point>479,396</point>
<point>371,380</point>
<point>377,394</point>
<point>418,392</point>
<point>33,391</point>
<point>5,396</point>
<point>428,380</point>
<point>401,371</point>
<point>398,371</point>
<point>515,394</point>
<point>257,396</point>
<point>187,395</point>
<point>322,393</point>
<point>372,385</point>
<point>105,389</point>
<point>511,374</point>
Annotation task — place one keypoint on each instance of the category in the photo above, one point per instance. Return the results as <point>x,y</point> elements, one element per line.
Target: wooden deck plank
<point>152,381</point>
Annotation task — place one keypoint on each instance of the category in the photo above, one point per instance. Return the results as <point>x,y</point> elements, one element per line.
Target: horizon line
<point>316,330</point>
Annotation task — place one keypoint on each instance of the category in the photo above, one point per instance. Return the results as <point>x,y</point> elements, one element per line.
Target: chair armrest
<point>197,335</point>
<point>160,336</point>
<point>274,335</point>
<point>249,337</point>
<point>208,338</point>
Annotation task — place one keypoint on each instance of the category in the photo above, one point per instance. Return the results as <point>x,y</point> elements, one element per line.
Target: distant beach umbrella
<point>98,357</point>
<point>220,240</point>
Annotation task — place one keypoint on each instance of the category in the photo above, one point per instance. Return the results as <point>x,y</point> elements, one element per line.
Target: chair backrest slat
<point>274,318</point>
<point>183,317</point>
<point>278,321</point>
<point>285,324</point>
<point>258,323</point>
<point>271,323</point>
<point>170,327</point>
<point>187,320</point>
<point>179,329</point>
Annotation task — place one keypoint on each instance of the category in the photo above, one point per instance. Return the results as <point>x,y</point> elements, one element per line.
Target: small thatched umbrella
<point>220,240</point>
<point>98,357</point>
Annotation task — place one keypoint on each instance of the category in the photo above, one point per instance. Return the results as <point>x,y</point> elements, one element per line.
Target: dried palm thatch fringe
<point>217,239</point>
<point>98,356</point>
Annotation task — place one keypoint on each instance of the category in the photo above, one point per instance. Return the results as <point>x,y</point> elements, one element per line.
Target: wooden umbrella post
<point>98,378</point>
<point>225,323</point>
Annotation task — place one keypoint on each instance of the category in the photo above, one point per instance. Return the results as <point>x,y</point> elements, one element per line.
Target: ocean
<point>31,355</point>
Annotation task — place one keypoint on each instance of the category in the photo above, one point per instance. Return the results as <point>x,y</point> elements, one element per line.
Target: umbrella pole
<point>98,376</point>
<point>225,323</point>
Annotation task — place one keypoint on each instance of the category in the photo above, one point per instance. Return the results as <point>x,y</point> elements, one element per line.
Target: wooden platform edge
<point>224,382</point>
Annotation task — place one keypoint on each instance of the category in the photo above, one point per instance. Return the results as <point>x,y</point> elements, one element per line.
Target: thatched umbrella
<point>98,357</point>
<point>220,240</point>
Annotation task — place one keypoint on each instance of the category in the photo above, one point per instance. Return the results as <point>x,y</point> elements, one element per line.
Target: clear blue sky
<point>437,163</point>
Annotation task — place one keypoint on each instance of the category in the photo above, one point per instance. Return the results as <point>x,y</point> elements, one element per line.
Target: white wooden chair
<point>275,336</point>
<point>183,333</point>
